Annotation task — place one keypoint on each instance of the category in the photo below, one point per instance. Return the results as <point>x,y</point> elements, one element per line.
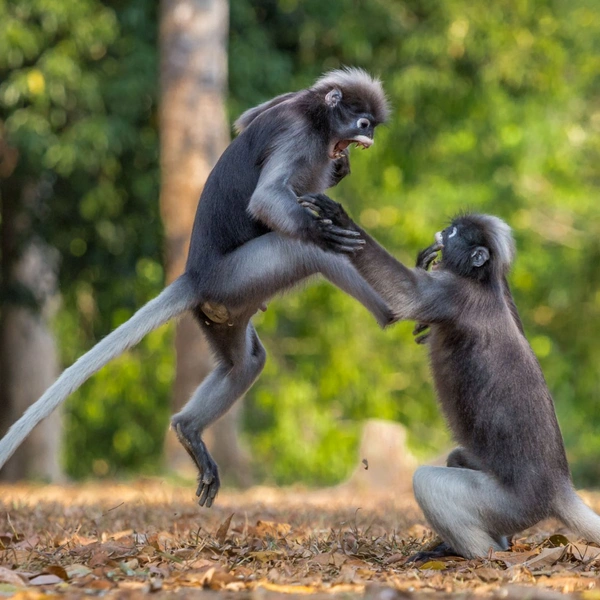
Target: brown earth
<point>128,540</point>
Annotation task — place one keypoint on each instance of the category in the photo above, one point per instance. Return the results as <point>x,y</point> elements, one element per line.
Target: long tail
<point>171,302</point>
<point>577,516</point>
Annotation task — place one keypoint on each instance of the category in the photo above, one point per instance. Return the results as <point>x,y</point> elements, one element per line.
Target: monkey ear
<point>333,97</point>
<point>480,256</point>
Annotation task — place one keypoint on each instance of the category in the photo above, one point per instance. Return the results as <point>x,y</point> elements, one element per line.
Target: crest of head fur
<point>355,85</point>
<point>501,239</point>
<point>497,237</point>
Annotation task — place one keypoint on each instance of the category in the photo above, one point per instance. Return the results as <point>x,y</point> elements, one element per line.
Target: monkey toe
<point>440,551</point>
<point>207,492</point>
<point>208,471</point>
<point>208,480</point>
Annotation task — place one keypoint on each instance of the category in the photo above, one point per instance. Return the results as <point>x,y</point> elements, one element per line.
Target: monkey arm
<point>275,203</point>
<point>413,294</point>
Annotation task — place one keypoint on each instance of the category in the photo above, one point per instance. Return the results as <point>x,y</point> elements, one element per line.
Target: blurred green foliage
<point>495,108</point>
<point>78,83</point>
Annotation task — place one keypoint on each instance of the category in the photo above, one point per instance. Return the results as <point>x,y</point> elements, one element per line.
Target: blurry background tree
<point>495,109</point>
<point>194,133</point>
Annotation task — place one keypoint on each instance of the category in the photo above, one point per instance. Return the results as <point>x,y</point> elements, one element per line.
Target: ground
<point>127,540</point>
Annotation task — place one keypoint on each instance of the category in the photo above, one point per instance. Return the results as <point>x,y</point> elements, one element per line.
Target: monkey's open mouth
<point>360,140</point>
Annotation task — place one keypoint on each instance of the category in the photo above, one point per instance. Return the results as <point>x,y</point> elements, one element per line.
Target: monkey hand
<point>341,168</point>
<point>326,233</point>
<point>420,337</point>
<point>427,256</point>
<point>328,209</point>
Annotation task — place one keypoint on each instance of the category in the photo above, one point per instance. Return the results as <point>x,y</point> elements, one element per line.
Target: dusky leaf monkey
<point>251,239</point>
<point>510,470</point>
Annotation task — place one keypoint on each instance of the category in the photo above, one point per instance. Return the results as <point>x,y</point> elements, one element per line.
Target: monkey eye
<point>453,232</point>
<point>363,123</point>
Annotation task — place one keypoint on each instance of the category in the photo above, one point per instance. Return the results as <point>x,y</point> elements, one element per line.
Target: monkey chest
<point>312,178</point>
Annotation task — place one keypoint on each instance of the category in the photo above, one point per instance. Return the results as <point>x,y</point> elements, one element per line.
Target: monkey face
<point>351,120</point>
<point>351,127</point>
<point>354,104</point>
<point>465,248</point>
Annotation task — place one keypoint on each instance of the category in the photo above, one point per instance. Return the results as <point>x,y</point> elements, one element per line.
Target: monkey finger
<point>325,205</point>
<point>324,201</point>
<point>422,339</point>
<point>426,261</point>
<point>349,233</point>
<point>346,249</point>
<point>313,212</point>
<point>320,198</point>
<point>419,328</point>
<point>344,241</point>
<point>309,205</point>
<point>315,215</point>
<point>431,258</point>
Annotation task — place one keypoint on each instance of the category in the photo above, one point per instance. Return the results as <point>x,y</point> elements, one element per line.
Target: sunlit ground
<point>126,540</point>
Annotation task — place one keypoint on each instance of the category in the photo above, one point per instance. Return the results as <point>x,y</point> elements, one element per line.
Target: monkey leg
<point>272,263</point>
<point>470,510</point>
<point>241,358</point>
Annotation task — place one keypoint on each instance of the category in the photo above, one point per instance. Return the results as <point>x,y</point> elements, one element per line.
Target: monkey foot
<point>439,551</point>
<point>208,471</point>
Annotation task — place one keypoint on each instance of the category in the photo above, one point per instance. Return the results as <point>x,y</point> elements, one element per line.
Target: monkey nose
<point>439,239</point>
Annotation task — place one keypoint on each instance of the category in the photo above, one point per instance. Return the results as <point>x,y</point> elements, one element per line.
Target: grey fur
<point>511,470</point>
<point>247,117</point>
<point>173,301</point>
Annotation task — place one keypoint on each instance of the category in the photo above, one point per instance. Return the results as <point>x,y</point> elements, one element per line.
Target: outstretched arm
<point>413,294</point>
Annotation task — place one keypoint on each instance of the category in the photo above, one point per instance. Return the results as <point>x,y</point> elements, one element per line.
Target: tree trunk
<point>194,132</point>
<point>28,356</point>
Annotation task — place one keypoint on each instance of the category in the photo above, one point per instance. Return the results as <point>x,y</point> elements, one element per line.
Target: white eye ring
<point>453,232</point>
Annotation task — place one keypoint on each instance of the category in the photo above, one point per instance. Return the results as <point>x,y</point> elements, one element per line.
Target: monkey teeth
<point>361,141</point>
